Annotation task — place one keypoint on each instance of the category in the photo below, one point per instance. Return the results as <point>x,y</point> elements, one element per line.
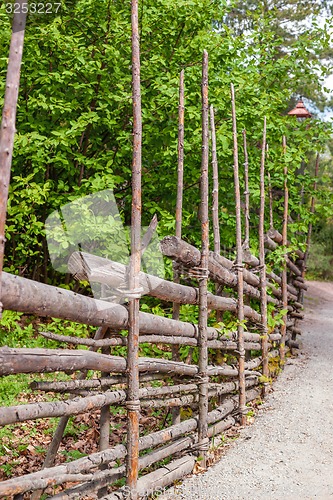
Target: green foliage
<point>76,142</point>
<point>274,317</point>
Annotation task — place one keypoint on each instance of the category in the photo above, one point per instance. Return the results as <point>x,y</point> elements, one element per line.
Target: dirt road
<point>288,452</point>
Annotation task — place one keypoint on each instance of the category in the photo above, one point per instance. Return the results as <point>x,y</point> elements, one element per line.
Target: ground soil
<point>287,453</point>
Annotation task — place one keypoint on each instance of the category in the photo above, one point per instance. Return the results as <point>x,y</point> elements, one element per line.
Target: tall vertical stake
<point>263,290</point>
<point>284,243</point>
<point>203,279</point>
<point>270,194</point>
<point>239,267</point>
<point>133,403</point>
<point>215,204</point>
<point>308,236</point>
<point>7,131</point>
<point>246,245</point>
<point>179,212</point>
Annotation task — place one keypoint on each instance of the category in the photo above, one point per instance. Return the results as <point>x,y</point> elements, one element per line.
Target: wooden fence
<point>216,393</point>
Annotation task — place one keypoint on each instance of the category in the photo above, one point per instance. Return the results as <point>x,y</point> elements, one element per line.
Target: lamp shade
<point>300,111</point>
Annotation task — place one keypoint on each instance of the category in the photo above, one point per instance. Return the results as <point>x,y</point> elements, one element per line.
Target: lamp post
<point>301,113</point>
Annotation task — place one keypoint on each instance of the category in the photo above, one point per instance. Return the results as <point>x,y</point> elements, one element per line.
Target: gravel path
<point>288,452</point>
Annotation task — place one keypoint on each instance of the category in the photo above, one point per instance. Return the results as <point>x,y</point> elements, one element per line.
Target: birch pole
<point>270,195</point>
<point>179,213</point>
<point>312,211</point>
<point>284,285</point>
<point>263,290</point>
<point>7,131</point>
<point>215,204</point>
<point>203,441</point>
<point>246,194</point>
<point>239,268</point>
<point>133,403</point>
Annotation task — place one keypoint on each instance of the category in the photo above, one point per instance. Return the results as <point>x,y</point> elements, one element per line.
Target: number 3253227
<point>32,8</point>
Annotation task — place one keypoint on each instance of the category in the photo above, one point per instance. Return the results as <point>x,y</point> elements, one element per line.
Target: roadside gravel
<point>287,453</point>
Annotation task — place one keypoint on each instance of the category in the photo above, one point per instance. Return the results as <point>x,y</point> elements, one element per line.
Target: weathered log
<point>274,235</point>
<point>295,330</point>
<point>275,336</point>
<point>95,383</point>
<point>49,360</point>
<point>291,289</point>
<point>27,482</point>
<point>297,305</point>
<point>296,314</point>
<point>93,268</point>
<point>32,297</point>
<point>253,279</point>
<point>26,412</point>
<point>249,259</point>
<point>277,237</point>
<point>292,344</point>
<point>271,245</point>
<point>179,401</point>
<point>110,476</point>
<point>99,480</point>
<point>188,255</point>
<point>249,277</point>
<point>26,360</point>
<point>21,413</point>
<point>158,479</point>
<point>215,341</point>
<point>87,464</point>
<point>293,267</point>
<point>298,284</point>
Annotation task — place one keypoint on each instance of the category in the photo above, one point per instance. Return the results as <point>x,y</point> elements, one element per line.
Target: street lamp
<point>300,111</point>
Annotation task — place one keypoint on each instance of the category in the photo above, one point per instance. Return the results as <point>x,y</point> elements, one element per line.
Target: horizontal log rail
<point>21,294</point>
<point>188,256</point>
<point>84,466</point>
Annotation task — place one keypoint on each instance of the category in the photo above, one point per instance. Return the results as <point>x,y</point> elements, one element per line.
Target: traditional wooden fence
<point>216,393</point>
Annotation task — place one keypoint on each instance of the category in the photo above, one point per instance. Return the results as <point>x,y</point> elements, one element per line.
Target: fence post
<point>262,264</point>
<point>133,403</point>
<point>284,284</point>
<point>239,268</point>
<point>7,131</point>
<point>203,279</point>
<point>179,212</point>
<point>246,244</point>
